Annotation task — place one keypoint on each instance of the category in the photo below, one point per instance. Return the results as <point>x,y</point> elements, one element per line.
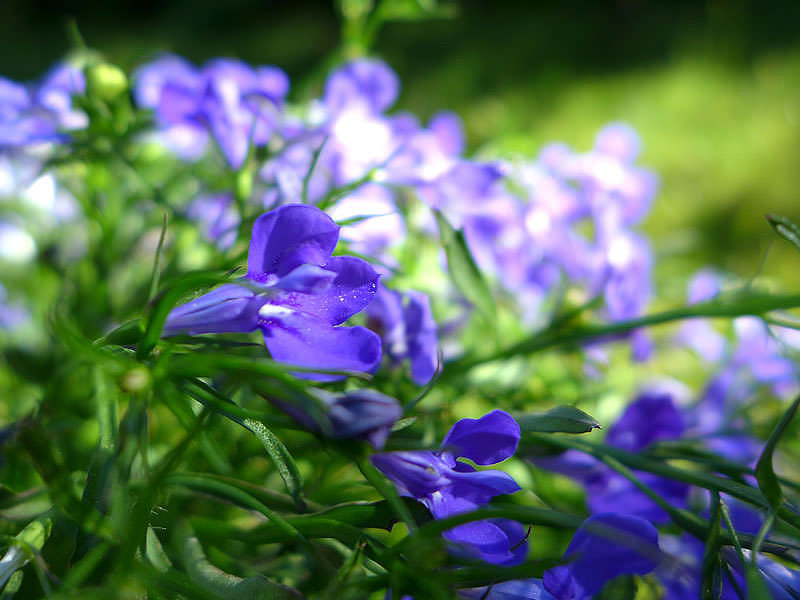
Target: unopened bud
<point>105,81</point>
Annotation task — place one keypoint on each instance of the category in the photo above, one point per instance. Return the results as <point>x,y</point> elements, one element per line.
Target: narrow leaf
<point>561,419</point>
<point>765,474</point>
<point>786,229</point>
<point>285,463</point>
<point>227,585</point>
<point>463,270</point>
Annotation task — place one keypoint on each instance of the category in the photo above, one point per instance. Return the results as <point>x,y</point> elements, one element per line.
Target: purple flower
<point>368,82</point>
<point>12,316</point>
<point>42,112</point>
<point>527,589</point>
<point>651,417</point>
<point>235,103</point>
<point>217,217</point>
<point>296,293</point>
<point>682,575</point>
<point>406,326</point>
<point>448,487</point>
<point>361,414</point>
<point>605,546</point>
<point>375,223</point>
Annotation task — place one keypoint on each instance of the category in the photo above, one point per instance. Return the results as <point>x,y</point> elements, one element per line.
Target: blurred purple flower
<point>42,112</point>
<point>295,293</point>
<point>448,487</point>
<point>217,218</point>
<point>12,315</point>
<point>235,103</point>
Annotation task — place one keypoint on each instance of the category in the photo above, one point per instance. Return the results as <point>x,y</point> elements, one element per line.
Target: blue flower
<point>448,487</point>
<point>42,112</point>
<point>405,323</point>
<point>361,414</point>
<point>296,293</point>
<point>651,417</point>
<point>235,103</point>
<point>217,217</point>
<point>605,546</point>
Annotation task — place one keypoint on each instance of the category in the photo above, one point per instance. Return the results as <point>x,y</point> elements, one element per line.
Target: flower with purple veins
<point>406,326</point>
<point>448,486</point>
<point>296,293</point>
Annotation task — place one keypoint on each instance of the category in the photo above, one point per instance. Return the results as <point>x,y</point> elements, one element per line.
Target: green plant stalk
<point>750,303</point>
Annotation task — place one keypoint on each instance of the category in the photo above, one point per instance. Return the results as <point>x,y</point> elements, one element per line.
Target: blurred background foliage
<point>713,87</point>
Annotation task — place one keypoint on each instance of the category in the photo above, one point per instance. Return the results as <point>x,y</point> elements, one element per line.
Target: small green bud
<point>136,380</point>
<point>105,81</point>
<point>244,183</point>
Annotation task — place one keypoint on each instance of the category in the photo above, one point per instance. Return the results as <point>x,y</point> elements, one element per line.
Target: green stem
<point>387,490</point>
<point>749,303</point>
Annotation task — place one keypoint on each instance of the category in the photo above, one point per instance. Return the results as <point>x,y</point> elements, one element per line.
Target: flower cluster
<point>344,194</point>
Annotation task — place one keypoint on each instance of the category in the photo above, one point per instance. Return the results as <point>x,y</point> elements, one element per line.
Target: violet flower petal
<point>368,81</point>
<point>352,289</point>
<point>497,541</point>
<point>287,237</point>
<point>308,342</point>
<point>486,441</point>
<point>525,589</point>
<point>229,308</point>
<point>417,474</point>
<point>604,547</point>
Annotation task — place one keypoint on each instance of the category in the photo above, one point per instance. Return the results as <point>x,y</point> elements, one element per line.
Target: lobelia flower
<point>406,326</point>
<point>217,217</point>
<point>43,112</point>
<point>605,546</point>
<point>361,414</point>
<point>448,487</point>
<point>651,417</point>
<point>296,293</point>
<point>235,103</point>
<point>682,576</point>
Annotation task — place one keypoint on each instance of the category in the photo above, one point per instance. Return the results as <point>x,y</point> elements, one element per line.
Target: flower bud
<point>105,81</point>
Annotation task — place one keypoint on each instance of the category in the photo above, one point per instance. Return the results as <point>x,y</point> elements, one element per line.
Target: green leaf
<point>154,551</point>
<point>27,543</point>
<point>227,585</point>
<point>786,229</point>
<point>756,586</point>
<point>561,419</point>
<point>463,270</point>
<point>765,474</point>
<point>711,557</point>
<point>285,463</point>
